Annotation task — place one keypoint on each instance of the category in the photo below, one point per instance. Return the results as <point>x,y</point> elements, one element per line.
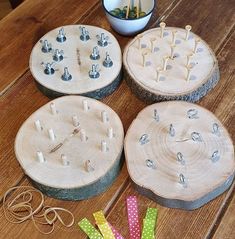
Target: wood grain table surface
<point>213,20</point>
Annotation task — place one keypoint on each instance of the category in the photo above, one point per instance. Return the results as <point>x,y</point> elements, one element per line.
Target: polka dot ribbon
<point>149,224</point>
<point>116,233</point>
<point>87,227</point>
<point>103,225</point>
<point>133,220</point>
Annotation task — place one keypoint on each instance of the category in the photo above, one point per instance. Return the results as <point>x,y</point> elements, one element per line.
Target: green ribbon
<point>87,227</point>
<point>149,223</point>
<point>103,225</point>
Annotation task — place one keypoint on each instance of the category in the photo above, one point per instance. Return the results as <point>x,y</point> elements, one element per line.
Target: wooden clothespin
<point>189,68</point>
<point>64,160</point>
<point>158,73</point>
<point>173,36</point>
<point>197,41</point>
<point>152,40</point>
<point>188,28</point>
<point>162,26</point>
<point>144,54</point>
<point>172,51</point>
<point>165,60</point>
<point>189,56</point>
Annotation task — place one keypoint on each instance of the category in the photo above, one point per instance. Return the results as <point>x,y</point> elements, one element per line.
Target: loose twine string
<point>20,209</point>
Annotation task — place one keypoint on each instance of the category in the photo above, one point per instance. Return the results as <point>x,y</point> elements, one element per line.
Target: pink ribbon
<point>116,233</point>
<point>133,218</point>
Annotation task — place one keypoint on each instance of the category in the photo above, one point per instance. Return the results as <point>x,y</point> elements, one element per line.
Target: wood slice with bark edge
<point>204,179</point>
<point>81,84</point>
<point>71,182</point>
<point>145,86</point>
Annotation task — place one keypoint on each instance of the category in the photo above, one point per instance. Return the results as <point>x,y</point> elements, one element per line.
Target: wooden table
<point>213,20</point>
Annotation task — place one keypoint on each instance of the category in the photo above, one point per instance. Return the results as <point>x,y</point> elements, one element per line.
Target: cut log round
<point>188,74</point>
<point>179,154</point>
<point>75,54</point>
<point>71,147</point>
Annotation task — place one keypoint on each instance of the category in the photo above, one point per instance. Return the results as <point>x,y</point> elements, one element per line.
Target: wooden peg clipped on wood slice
<point>162,26</point>
<point>104,147</point>
<point>172,51</point>
<point>189,69</point>
<point>104,116</point>
<point>38,125</point>
<point>51,134</point>
<point>144,58</point>
<point>165,61</point>
<point>197,41</point>
<point>110,133</point>
<point>83,135</point>
<point>152,40</point>
<point>85,105</point>
<point>75,121</point>
<point>189,57</point>
<point>53,108</point>
<point>65,160</point>
<point>188,28</point>
<point>174,32</point>
<point>40,157</point>
<point>158,73</point>
<point>145,53</point>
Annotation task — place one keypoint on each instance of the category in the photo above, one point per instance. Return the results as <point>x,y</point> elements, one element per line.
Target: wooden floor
<point>5,8</point>
<point>213,20</point>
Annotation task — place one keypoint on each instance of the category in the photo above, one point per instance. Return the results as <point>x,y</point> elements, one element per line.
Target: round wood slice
<point>179,154</point>
<point>73,181</point>
<point>172,83</point>
<point>77,59</point>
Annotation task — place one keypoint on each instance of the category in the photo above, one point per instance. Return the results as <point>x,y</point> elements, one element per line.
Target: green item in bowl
<point>121,13</point>
<point>132,15</point>
<point>117,11</point>
<point>125,8</point>
<point>142,14</point>
<point>113,13</point>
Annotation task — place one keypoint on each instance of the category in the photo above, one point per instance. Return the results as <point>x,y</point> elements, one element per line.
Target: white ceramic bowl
<point>128,27</point>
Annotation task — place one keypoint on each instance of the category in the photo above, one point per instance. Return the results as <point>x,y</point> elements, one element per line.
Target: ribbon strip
<point>149,223</point>
<point>116,233</point>
<point>103,225</point>
<point>87,227</point>
<point>133,220</point>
